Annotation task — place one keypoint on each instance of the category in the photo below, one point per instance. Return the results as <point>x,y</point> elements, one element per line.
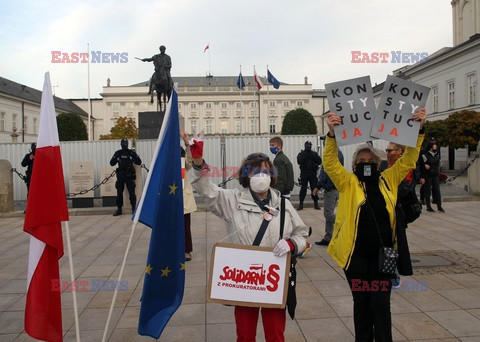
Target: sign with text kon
<point>352,100</point>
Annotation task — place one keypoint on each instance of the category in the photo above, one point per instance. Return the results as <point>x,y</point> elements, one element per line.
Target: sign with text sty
<point>352,100</point>
<point>399,101</point>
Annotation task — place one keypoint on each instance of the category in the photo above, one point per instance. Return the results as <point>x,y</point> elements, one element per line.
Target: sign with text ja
<point>399,101</point>
<point>248,276</point>
<point>352,100</point>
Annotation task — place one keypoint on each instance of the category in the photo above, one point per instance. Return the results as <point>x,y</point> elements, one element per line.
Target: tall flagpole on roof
<point>241,108</point>
<point>89,104</point>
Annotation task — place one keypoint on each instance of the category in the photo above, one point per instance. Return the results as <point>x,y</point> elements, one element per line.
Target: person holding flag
<point>247,213</point>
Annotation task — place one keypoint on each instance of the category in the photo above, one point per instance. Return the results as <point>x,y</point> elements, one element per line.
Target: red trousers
<point>246,318</point>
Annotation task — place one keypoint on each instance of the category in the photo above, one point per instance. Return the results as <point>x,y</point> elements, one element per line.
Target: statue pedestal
<point>149,124</point>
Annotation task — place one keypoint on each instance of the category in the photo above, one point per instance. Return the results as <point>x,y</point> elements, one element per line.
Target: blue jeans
<point>330,198</point>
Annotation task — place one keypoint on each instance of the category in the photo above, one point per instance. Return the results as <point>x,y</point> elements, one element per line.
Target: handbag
<point>387,256</point>
<point>387,260</point>
<point>410,207</point>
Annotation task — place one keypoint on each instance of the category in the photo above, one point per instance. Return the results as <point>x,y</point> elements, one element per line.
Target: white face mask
<point>260,183</point>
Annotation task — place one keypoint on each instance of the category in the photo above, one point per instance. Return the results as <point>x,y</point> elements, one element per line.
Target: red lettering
<point>55,284</point>
<point>273,277</point>
<point>55,55</point>
<point>384,56</point>
<point>75,57</point>
<point>374,285</point>
<point>394,132</point>
<point>344,135</point>
<point>374,57</point>
<point>365,286</point>
<point>384,285</point>
<point>84,57</point>
<point>355,284</point>
<point>83,285</point>
<point>365,58</point>
<point>357,132</point>
<point>382,128</point>
<point>215,172</point>
<point>355,55</point>
<point>65,58</point>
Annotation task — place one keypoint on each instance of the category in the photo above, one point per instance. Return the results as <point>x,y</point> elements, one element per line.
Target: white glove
<point>281,248</point>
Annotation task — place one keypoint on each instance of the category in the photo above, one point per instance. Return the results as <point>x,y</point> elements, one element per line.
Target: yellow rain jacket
<point>352,197</point>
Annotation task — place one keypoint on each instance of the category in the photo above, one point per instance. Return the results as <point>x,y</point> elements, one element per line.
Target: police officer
<point>28,163</point>
<point>309,162</point>
<point>125,158</point>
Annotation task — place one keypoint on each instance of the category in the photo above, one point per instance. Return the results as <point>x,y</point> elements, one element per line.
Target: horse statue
<point>163,85</point>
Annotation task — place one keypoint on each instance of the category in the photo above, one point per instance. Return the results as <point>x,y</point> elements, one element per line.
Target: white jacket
<point>244,218</point>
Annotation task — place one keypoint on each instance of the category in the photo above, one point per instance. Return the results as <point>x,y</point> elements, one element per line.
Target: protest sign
<point>248,276</point>
<point>399,101</point>
<point>352,100</point>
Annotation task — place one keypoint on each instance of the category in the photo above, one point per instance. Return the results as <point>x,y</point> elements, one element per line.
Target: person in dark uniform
<point>309,162</point>
<point>28,163</point>
<point>125,158</point>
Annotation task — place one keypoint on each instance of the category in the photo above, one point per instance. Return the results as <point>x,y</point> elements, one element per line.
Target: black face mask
<point>367,172</point>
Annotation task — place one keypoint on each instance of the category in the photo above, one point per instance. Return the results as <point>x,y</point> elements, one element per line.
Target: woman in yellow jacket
<point>365,217</point>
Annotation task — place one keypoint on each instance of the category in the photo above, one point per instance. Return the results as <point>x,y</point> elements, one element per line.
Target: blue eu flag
<point>240,82</point>
<point>272,80</point>
<point>161,208</point>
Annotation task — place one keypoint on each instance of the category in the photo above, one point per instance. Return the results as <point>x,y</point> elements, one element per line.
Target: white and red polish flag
<point>46,208</point>
<point>257,79</point>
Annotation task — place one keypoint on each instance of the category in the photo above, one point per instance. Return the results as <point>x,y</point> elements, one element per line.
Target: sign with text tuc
<point>248,276</point>
<point>399,101</point>
<point>352,100</point>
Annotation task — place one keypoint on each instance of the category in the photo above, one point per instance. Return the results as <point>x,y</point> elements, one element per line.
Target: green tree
<point>438,130</point>
<point>125,128</point>
<point>299,121</point>
<point>463,128</point>
<point>71,127</point>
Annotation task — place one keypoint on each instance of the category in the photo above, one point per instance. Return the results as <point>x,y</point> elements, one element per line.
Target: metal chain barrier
<point>463,171</point>
<point>222,184</point>
<point>93,187</point>
<point>144,167</point>
<point>19,174</point>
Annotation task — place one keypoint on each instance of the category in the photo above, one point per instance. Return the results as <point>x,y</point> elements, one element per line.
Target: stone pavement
<point>441,302</point>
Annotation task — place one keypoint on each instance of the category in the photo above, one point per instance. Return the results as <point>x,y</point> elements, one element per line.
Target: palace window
<point>471,88</point>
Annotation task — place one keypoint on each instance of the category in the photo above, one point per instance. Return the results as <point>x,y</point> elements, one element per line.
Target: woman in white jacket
<point>244,211</point>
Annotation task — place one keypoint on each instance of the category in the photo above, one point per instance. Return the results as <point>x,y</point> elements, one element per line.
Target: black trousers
<point>432,183</point>
<point>305,180</point>
<point>371,299</point>
<point>120,185</point>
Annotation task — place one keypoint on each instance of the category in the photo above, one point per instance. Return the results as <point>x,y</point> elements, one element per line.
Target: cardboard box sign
<point>352,100</point>
<point>399,101</point>
<point>248,276</point>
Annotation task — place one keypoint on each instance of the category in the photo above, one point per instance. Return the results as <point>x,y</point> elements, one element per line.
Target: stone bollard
<point>6,187</point>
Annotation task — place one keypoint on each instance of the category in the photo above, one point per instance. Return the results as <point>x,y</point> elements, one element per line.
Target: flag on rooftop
<point>257,79</point>
<point>272,80</point>
<point>240,82</point>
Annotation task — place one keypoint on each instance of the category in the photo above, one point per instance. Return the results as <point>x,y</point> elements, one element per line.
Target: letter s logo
<point>273,277</point>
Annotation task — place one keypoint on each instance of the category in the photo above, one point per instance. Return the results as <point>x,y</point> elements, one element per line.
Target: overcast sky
<point>295,39</point>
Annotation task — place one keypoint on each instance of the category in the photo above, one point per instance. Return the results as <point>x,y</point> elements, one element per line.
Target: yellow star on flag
<point>172,189</point>
<point>165,272</point>
<point>182,266</point>
<point>148,269</point>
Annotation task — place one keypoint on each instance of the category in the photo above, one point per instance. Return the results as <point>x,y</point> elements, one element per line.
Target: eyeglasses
<point>389,150</point>
<point>262,156</point>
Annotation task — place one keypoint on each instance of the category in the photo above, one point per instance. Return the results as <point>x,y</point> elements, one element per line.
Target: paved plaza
<point>440,302</point>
